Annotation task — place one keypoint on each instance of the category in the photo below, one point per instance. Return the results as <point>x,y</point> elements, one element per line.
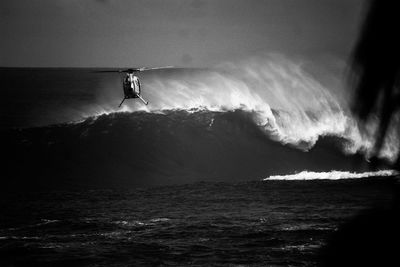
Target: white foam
<point>332,175</point>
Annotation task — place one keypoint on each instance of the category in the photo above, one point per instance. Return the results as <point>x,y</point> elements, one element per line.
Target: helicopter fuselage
<point>131,86</point>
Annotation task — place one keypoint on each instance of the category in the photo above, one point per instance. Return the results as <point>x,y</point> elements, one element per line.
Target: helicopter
<point>131,83</point>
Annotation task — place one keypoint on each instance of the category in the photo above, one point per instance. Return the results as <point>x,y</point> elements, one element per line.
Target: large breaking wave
<point>260,117</point>
<point>291,105</point>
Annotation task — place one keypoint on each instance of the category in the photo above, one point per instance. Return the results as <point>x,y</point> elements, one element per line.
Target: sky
<point>190,33</point>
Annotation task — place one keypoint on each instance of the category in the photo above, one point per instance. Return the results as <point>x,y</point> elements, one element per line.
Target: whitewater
<point>332,175</point>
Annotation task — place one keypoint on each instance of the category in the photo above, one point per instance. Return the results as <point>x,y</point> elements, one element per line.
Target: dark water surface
<point>275,223</point>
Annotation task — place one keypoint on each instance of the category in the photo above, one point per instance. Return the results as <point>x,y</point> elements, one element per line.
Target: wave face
<point>144,149</point>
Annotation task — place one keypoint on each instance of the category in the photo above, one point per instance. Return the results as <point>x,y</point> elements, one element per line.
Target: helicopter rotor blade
<point>131,70</point>
<point>156,68</point>
<point>107,71</point>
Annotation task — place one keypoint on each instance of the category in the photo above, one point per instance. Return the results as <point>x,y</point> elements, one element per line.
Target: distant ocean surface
<point>224,167</point>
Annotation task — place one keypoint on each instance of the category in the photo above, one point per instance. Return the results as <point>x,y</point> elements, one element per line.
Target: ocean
<point>257,164</point>
<point>274,223</point>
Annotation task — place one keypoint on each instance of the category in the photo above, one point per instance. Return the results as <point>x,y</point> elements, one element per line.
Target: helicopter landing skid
<point>137,96</point>
<point>122,102</point>
<point>141,98</point>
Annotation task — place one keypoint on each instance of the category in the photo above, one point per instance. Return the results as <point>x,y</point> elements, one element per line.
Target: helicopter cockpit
<point>131,86</point>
